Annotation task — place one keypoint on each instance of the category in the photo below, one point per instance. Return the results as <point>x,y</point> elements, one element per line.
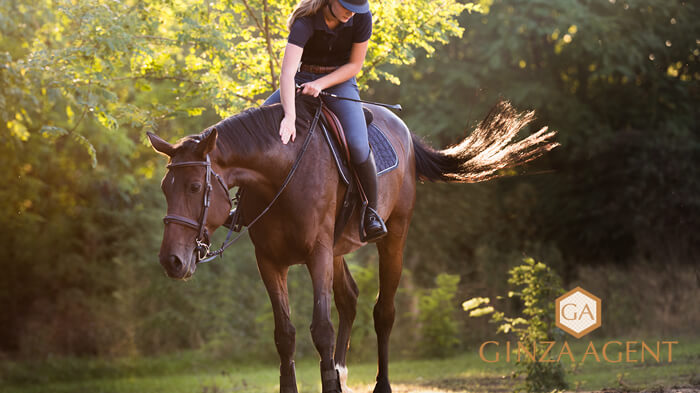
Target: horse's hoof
<point>330,381</point>
<point>382,387</point>
<point>343,375</point>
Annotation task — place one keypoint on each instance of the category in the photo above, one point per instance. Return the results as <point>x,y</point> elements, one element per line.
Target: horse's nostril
<point>175,263</point>
<point>172,264</point>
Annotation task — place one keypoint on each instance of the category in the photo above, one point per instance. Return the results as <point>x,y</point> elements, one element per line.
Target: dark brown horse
<point>245,151</point>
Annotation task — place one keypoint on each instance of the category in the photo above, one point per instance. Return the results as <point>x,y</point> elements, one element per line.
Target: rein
<point>202,251</point>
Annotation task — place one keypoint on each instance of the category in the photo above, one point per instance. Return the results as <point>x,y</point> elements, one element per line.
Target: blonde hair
<point>304,8</point>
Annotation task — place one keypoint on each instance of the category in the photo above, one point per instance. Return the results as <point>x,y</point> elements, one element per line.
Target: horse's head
<point>198,202</point>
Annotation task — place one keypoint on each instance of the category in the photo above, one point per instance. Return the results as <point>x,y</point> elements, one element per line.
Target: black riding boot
<point>372,227</point>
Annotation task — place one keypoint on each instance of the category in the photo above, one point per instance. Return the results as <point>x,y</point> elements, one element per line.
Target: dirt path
<point>498,385</point>
<point>450,385</point>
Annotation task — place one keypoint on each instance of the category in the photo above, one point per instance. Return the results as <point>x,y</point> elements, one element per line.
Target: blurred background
<point>615,209</point>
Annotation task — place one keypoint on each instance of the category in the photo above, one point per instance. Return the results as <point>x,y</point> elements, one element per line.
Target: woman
<point>329,38</point>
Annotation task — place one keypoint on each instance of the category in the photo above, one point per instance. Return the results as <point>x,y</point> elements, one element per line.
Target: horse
<point>245,151</point>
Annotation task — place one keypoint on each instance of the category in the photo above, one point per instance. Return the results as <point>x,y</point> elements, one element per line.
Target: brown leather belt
<point>317,69</point>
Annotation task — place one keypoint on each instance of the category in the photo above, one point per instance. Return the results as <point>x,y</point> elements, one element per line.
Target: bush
<point>537,286</point>
<point>363,343</point>
<point>438,324</point>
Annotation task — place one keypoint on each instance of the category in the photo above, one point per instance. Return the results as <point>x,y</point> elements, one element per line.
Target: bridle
<point>203,244</point>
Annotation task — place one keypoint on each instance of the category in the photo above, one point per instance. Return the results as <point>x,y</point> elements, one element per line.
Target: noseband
<point>203,244</point>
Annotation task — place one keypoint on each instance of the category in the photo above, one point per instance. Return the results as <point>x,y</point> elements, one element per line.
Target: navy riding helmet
<point>356,6</point>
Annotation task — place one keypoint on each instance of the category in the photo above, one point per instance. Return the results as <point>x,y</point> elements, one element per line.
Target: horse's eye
<point>195,187</point>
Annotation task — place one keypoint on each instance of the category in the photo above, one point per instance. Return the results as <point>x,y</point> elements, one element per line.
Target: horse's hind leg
<point>345,293</point>
<point>275,279</point>
<point>390,266</point>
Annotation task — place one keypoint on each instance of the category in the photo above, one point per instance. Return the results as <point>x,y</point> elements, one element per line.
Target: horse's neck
<point>262,170</point>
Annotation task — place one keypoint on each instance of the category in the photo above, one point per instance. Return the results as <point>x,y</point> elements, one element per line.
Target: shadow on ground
<point>450,385</point>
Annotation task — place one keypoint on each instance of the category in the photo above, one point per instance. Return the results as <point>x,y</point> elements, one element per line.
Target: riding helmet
<point>356,6</point>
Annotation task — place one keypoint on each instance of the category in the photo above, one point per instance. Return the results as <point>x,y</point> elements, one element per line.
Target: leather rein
<point>202,249</point>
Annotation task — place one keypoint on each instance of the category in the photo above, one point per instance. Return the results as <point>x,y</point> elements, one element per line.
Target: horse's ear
<point>208,141</point>
<point>160,145</point>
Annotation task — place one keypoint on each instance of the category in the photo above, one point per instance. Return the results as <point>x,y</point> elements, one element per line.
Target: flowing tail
<point>488,149</point>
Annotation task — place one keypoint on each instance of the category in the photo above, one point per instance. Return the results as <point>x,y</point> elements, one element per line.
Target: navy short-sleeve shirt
<point>326,47</point>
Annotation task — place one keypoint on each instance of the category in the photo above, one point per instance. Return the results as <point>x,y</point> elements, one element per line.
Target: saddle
<point>385,157</point>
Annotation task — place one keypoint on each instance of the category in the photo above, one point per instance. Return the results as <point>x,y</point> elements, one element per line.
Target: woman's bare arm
<point>290,63</point>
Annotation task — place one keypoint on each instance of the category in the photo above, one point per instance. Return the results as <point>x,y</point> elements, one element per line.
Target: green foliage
<point>80,83</point>
<point>438,324</point>
<point>603,75</point>
<point>63,62</point>
<point>363,339</point>
<point>622,188</point>
<point>537,287</point>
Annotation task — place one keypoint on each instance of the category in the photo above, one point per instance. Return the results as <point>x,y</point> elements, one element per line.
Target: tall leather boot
<point>372,227</point>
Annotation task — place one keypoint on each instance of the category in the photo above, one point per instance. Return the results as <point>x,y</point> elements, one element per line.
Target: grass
<point>194,372</point>
<point>685,366</point>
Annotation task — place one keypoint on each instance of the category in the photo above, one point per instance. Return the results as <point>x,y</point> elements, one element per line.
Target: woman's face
<point>341,12</point>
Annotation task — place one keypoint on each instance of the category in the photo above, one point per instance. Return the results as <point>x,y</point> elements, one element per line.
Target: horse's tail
<point>488,149</point>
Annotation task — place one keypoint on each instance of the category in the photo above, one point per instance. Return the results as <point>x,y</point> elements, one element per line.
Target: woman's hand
<point>312,88</point>
<point>288,129</point>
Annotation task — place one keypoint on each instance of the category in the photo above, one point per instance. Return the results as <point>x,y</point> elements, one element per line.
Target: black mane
<point>257,128</point>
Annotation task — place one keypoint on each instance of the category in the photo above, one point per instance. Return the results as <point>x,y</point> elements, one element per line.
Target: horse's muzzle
<point>176,268</point>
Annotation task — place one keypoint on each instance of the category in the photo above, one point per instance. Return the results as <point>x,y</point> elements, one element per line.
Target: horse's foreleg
<point>275,279</point>
<point>320,264</point>
<point>390,265</point>
<point>345,292</point>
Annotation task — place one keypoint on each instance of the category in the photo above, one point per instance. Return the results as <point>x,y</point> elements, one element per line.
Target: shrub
<point>537,286</point>
<point>437,317</point>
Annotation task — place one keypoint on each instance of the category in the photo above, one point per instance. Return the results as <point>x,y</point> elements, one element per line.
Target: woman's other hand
<point>288,130</point>
<point>312,88</point>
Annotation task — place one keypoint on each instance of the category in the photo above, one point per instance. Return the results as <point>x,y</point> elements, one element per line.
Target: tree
<point>91,58</point>
<point>619,82</point>
<point>80,83</point>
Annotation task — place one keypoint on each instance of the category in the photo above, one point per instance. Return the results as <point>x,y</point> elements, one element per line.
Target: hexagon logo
<point>578,312</point>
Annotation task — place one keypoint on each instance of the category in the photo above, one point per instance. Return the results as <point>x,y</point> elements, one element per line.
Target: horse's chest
<point>290,239</point>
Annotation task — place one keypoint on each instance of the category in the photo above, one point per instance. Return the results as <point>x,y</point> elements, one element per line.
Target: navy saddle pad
<point>385,156</point>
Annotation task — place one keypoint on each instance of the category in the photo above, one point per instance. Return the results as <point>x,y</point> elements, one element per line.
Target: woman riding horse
<point>296,224</point>
<point>330,39</point>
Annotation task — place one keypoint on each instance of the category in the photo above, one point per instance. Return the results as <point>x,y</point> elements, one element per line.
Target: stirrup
<point>364,236</point>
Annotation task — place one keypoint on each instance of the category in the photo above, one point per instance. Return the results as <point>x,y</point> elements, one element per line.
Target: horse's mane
<point>257,128</point>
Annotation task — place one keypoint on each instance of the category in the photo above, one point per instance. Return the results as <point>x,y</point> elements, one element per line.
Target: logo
<point>578,312</point>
